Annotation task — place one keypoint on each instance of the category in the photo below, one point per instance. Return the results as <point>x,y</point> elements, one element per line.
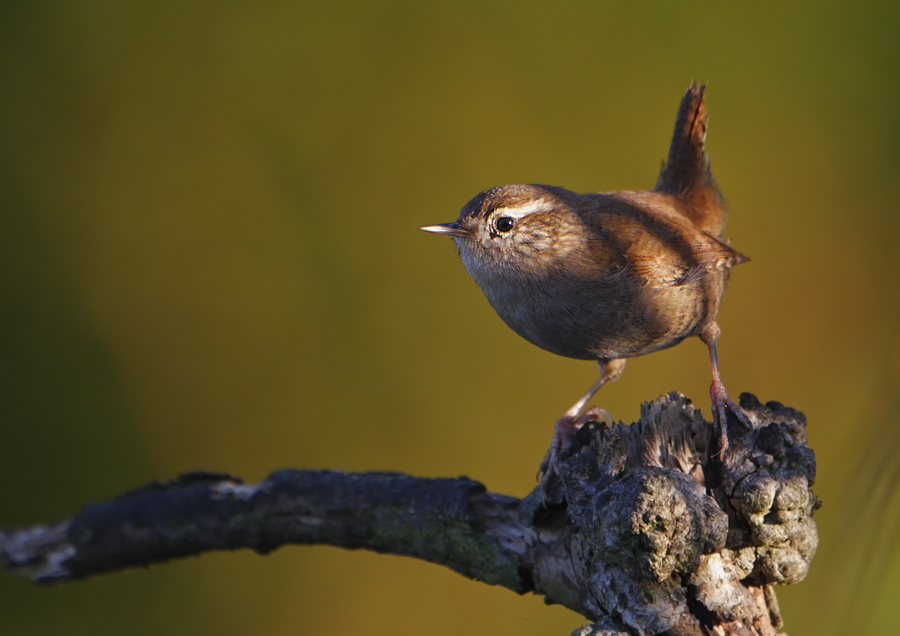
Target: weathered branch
<point>641,531</point>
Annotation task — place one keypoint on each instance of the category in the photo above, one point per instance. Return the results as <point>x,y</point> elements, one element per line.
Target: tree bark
<point>643,530</point>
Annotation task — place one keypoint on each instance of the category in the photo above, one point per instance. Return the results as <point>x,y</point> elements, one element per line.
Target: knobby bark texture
<point>644,529</point>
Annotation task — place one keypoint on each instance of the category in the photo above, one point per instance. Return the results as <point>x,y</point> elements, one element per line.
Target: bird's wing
<point>667,259</point>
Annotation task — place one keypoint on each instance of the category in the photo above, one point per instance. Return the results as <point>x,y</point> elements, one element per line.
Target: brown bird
<point>608,276</point>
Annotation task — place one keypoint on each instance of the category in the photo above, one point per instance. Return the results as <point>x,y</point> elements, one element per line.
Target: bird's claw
<point>565,430</point>
<point>721,404</point>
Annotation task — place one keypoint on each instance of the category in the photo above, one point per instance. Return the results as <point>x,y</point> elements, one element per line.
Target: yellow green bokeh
<point>209,259</point>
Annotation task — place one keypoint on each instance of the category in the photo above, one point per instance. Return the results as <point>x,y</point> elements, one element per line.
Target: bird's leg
<point>721,403</point>
<point>571,421</point>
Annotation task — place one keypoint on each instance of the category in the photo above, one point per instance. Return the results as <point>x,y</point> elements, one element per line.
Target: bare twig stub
<point>642,531</point>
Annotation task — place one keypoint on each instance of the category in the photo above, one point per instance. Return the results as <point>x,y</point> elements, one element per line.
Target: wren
<point>608,276</point>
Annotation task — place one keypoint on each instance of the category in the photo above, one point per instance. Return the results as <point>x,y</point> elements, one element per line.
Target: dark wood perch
<point>641,532</point>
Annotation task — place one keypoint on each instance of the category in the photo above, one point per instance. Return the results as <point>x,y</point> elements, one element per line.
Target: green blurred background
<point>209,259</point>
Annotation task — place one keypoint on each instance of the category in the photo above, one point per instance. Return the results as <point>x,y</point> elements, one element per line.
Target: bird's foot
<point>563,433</point>
<point>721,404</point>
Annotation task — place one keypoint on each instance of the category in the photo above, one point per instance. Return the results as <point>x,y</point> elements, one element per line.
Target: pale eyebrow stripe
<point>519,211</point>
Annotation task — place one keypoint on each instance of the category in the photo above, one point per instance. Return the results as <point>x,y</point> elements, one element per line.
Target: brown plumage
<point>608,276</point>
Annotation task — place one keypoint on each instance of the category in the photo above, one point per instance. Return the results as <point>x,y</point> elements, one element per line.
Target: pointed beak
<point>447,229</point>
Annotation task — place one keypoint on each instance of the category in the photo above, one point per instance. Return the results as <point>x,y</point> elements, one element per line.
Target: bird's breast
<point>610,317</point>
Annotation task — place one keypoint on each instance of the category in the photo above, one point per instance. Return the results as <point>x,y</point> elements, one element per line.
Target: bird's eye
<point>505,224</point>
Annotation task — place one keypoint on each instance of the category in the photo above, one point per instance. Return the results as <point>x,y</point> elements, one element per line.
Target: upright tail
<point>686,173</point>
